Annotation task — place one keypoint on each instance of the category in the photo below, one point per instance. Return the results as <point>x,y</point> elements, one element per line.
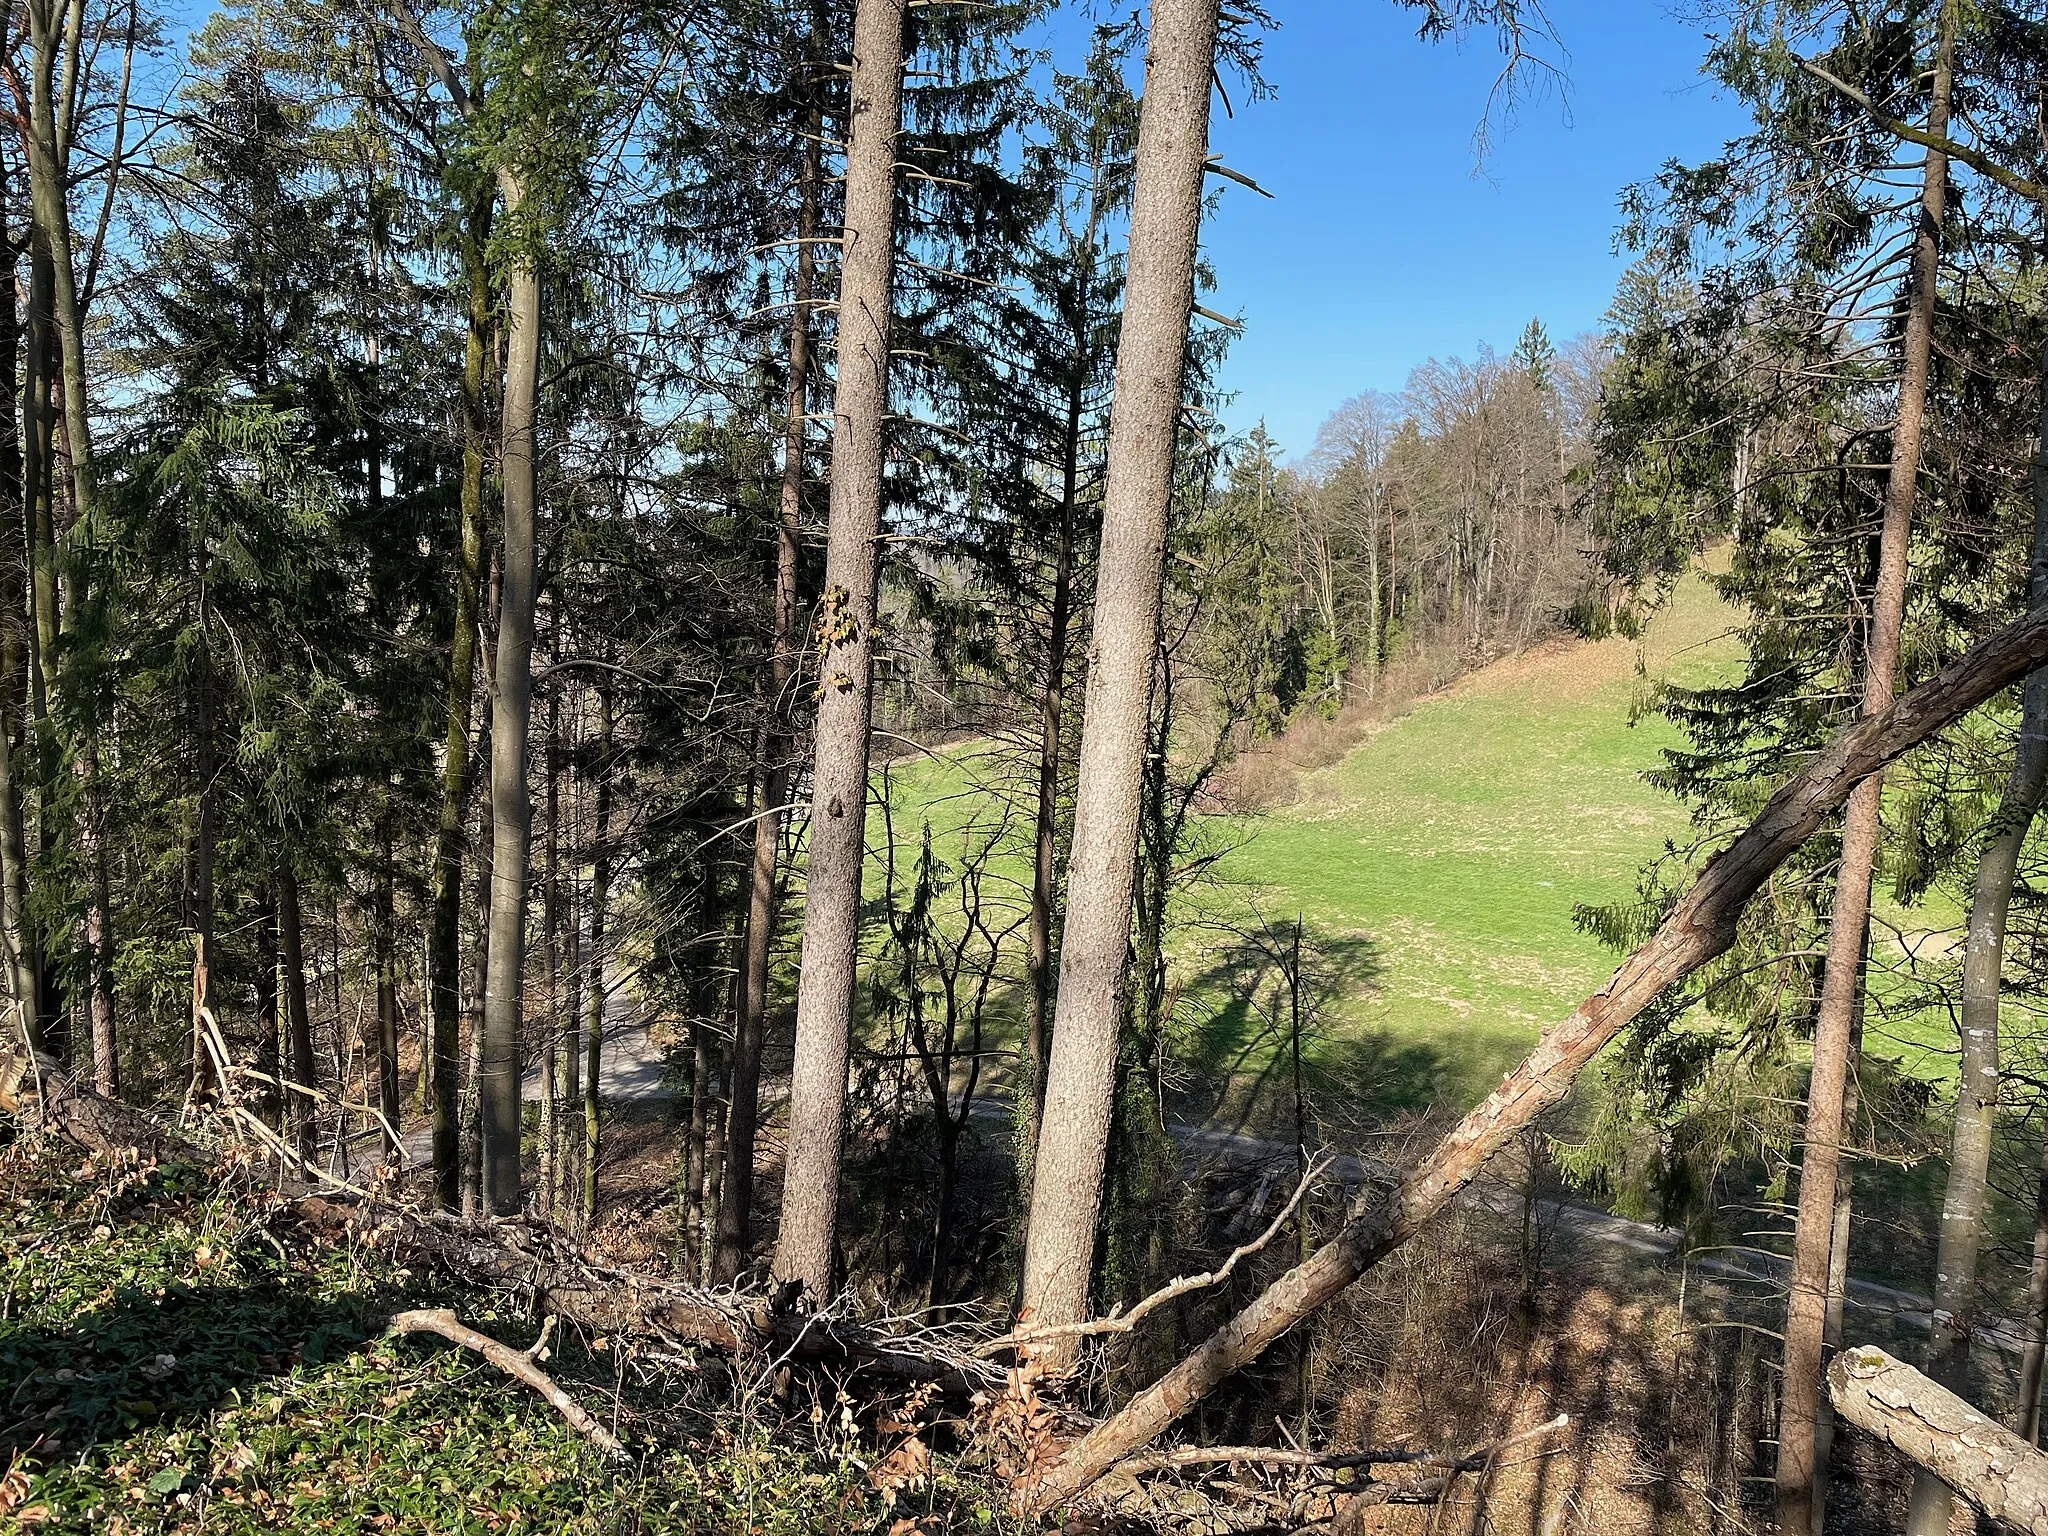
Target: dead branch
<point>518,1364</point>
<point>1699,927</point>
<point>1284,1456</point>
<point>1990,1466</point>
<point>1124,1322</point>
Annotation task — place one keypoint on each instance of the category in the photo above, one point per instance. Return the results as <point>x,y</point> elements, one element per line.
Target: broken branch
<point>516,1363</point>
<point>1990,1466</point>
<point>1124,1322</point>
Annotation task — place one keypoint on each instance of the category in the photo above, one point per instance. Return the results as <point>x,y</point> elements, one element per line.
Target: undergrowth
<point>179,1355</point>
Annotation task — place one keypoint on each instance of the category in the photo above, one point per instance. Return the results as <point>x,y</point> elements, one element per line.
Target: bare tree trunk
<point>594,994</point>
<point>846,618</point>
<point>384,959</point>
<point>268,1056</point>
<point>1798,1470</point>
<point>445,940</point>
<point>693,1240</point>
<point>511,803</point>
<point>470,1103</point>
<point>2036,1312</point>
<point>1699,927</point>
<point>1052,697</point>
<point>1946,1438</point>
<point>736,1210</point>
<point>1173,139</point>
<point>552,1194</point>
<point>305,1069</point>
<point>1962,1206</point>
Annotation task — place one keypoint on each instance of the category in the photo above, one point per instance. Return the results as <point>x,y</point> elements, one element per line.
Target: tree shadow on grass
<point>173,1356</point>
<point>1236,1048</point>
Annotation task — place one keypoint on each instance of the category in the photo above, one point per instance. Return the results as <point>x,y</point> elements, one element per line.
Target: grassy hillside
<point>1437,866</point>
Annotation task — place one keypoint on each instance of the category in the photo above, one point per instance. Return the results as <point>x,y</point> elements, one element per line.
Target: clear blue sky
<point>1382,247</point>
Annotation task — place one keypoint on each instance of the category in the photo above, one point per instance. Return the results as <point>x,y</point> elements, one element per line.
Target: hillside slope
<point>1437,866</point>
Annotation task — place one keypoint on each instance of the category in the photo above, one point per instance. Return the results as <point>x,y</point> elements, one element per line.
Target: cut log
<point>1934,1429</point>
<point>1701,926</point>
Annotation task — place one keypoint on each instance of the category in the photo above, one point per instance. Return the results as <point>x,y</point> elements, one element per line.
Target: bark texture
<point>1943,1436</point>
<point>1699,927</point>
<point>845,641</point>
<point>1166,211</point>
<point>511,712</point>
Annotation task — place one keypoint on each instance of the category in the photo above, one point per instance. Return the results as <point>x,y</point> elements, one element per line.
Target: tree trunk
<point>1943,1436</point>
<point>305,1070</point>
<point>1699,927</point>
<point>1962,1205</point>
<point>1798,1471</point>
<point>846,619</point>
<point>736,1210</point>
<point>594,994</point>
<point>511,803</point>
<point>445,941</point>
<point>384,958</point>
<point>1173,138</point>
<point>1052,698</point>
<point>552,1197</point>
<point>469,1113</point>
<point>268,1056</point>
<point>2036,1312</point>
<point>693,1240</point>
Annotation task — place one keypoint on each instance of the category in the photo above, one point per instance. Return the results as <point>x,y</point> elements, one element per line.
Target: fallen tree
<point>1987,1464</point>
<point>1699,927</point>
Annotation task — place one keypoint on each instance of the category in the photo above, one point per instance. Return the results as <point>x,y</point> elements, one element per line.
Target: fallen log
<point>1986,1463</point>
<point>1699,927</point>
<point>45,1098</point>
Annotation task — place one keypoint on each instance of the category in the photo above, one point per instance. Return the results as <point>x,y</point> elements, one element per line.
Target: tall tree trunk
<point>511,804</point>
<point>445,936</point>
<point>736,1210</point>
<point>384,959</point>
<point>846,619</point>
<point>469,1113</point>
<point>53,35</point>
<point>594,993</point>
<point>552,1197</point>
<point>268,1055</point>
<point>304,1068</point>
<point>200,913</point>
<point>1806,1310</point>
<point>1052,698</point>
<point>1166,207</point>
<point>693,1242</point>
<point>1969,1165</point>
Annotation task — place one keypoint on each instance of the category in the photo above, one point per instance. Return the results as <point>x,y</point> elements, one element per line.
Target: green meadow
<point>1435,870</point>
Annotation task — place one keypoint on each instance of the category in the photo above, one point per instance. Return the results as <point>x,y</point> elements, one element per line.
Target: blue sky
<point>1382,246</point>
